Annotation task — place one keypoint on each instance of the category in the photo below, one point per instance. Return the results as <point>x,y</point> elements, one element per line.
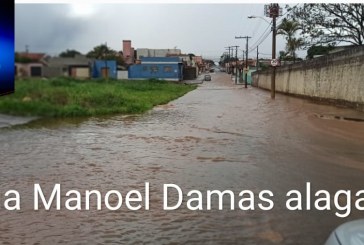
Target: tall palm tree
<point>293,45</point>
<point>289,28</point>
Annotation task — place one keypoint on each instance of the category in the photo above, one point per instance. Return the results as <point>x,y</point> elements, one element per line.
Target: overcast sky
<point>202,29</point>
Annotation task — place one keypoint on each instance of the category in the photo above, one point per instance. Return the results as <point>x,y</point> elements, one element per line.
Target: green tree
<point>318,50</point>
<point>288,28</point>
<point>282,55</point>
<point>69,53</point>
<point>104,52</point>
<point>101,52</point>
<point>330,23</point>
<point>294,44</point>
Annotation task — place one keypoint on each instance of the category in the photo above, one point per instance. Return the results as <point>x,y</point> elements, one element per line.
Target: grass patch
<point>65,97</point>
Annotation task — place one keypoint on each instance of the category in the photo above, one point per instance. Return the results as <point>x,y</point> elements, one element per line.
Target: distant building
<point>164,68</point>
<point>128,52</point>
<point>190,68</point>
<point>104,69</point>
<point>77,67</point>
<point>146,52</point>
<point>29,64</point>
<point>199,63</point>
<point>198,59</point>
<point>187,60</point>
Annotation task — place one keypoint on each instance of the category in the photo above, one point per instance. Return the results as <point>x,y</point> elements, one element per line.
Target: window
<point>154,69</point>
<point>168,69</point>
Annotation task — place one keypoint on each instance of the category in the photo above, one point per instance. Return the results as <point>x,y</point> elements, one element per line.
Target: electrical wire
<point>262,38</point>
<point>265,34</point>
<point>265,54</point>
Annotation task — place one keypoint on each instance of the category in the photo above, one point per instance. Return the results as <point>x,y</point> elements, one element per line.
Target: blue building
<point>251,70</point>
<point>164,68</point>
<point>104,69</point>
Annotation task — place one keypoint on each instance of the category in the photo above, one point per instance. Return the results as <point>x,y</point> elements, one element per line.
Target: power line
<point>265,35</point>
<point>262,34</point>
<point>260,42</point>
<point>261,38</point>
<point>257,26</point>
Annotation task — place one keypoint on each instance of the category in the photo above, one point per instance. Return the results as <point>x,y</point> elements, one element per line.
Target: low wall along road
<point>337,77</point>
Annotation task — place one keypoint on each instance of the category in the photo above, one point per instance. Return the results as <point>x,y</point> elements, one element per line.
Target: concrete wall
<point>122,75</point>
<point>24,70</point>
<point>81,72</point>
<point>77,72</point>
<point>189,73</point>
<point>338,76</point>
<point>54,71</point>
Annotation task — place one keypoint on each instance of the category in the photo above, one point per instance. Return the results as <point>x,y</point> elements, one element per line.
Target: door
<point>105,72</point>
<point>35,71</point>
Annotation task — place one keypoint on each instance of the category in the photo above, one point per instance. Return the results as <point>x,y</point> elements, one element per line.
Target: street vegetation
<point>317,28</point>
<point>68,97</point>
<point>323,26</point>
<point>288,28</point>
<point>330,24</point>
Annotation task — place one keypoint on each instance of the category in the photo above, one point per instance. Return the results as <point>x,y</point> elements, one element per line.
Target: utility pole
<point>243,60</point>
<point>273,82</point>
<point>230,55</point>
<point>106,68</point>
<point>257,65</point>
<point>236,65</point>
<point>273,11</point>
<point>246,61</point>
<point>236,62</point>
<point>228,58</point>
<point>244,57</point>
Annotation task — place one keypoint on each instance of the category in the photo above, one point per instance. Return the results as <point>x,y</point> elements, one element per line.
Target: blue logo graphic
<point>6,47</point>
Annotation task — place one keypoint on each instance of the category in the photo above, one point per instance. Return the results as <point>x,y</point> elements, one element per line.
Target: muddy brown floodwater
<point>220,136</point>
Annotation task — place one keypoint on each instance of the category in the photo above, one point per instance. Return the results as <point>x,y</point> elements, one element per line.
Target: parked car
<point>350,233</point>
<point>207,77</point>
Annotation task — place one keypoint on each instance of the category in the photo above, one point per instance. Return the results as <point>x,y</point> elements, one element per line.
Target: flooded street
<point>220,136</point>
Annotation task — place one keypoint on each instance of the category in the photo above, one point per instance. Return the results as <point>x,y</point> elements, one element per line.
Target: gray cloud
<point>45,27</point>
<point>195,28</point>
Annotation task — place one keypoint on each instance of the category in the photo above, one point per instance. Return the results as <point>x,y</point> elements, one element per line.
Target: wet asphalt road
<point>218,137</point>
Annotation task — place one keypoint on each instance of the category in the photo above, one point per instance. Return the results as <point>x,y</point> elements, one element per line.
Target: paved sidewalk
<point>8,121</point>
